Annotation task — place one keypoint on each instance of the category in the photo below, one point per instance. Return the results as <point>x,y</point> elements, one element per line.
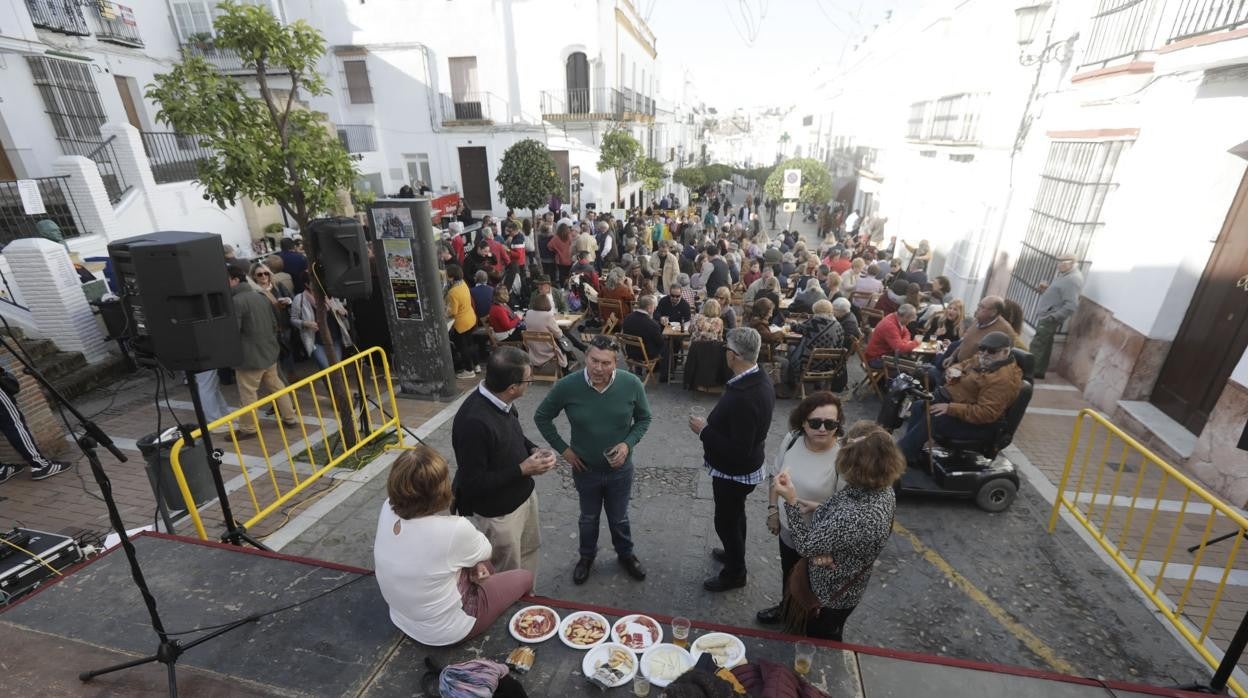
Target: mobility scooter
<point>968,469</point>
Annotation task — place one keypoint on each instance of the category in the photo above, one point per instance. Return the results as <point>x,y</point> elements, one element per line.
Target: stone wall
<point>47,428</point>
<point>1217,460</point>
<point>1108,360</point>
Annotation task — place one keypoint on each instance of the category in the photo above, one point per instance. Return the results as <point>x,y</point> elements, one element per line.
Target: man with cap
<point>1058,301</point>
<point>976,394</point>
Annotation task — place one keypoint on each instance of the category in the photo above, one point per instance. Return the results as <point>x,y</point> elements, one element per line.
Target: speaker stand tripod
<point>169,649</point>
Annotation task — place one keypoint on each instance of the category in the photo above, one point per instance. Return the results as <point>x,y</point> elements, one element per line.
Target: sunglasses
<point>988,350</point>
<point>829,424</point>
<point>261,273</point>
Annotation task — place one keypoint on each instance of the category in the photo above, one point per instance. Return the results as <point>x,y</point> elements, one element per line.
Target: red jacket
<point>501,253</point>
<point>889,336</point>
<point>502,318</point>
<point>457,243</point>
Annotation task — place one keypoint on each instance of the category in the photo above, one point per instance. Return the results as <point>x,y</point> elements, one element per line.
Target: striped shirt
<point>755,477</point>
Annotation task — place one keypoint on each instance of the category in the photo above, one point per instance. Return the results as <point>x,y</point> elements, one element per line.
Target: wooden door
<point>1214,333</point>
<point>474,172</point>
<point>127,100</point>
<point>7,172</point>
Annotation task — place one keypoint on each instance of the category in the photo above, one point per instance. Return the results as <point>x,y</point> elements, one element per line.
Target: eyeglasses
<point>261,273</point>
<point>829,424</point>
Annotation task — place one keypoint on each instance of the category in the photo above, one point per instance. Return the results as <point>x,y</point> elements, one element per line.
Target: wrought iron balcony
<point>1121,29</point>
<point>1196,17</point>
<point>596,104</point>
<point>226,60</point>
<point>474,108</point>
<point>173,156</point>
<point>64,16</point>
<point>58,203</point>
<point>117,24</point>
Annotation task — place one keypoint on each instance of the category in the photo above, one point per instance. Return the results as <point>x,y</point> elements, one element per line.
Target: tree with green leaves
<point>651,173</point>
<point>816,182</point>
<point>619,153</point>
<point>528,176</point>
<point>265,147</point>
<point>692,177</point>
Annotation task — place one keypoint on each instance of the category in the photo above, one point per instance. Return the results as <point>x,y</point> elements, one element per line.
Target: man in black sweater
<point>733,438</point>
<point>673,306</point>
<point>496,462</point>
<point>640,323</point>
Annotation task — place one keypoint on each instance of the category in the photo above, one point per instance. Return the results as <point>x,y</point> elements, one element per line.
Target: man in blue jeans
<point>609,414</point>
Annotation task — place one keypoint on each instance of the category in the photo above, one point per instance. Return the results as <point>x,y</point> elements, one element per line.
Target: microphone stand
<point>168,650</point>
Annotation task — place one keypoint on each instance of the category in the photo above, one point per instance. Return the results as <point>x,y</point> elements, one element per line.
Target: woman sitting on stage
<point>433,568</point>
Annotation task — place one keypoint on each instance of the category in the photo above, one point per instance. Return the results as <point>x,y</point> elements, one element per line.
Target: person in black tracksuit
<point>13,425</point>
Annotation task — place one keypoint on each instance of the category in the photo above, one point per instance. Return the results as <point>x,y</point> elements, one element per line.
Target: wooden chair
<point>868,299</point>
<point>832,359</point>
<point>610,325</point>
<point>871,316</point>
<point>610,309</point>
<point>894,366</point>
<point>533,339</point>
<point>632,346</point>
<point>511,342</point>
<point>871,376</point>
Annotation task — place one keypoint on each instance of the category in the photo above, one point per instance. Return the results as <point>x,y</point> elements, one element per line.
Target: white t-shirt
<point>814,475</point>
<point>418,572</point>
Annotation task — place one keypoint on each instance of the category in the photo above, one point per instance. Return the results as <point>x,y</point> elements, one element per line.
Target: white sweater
<point>814,475</point>
<point>418,570</point>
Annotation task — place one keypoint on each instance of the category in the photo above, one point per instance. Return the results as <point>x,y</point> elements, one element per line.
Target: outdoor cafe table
<point>557,668</point>
<point>568,320</point>
<point>675,336</point>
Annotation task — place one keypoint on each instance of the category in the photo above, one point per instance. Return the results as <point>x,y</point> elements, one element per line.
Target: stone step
<point>60,364</point>
<point>39,348</point>
<point>90,376</point>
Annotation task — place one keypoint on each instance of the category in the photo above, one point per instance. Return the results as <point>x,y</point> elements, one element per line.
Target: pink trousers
<point>488,599</point>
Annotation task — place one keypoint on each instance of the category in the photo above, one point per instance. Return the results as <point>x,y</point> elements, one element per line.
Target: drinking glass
<point>697,411</point>
<point>641,686</point>
<point>803,657</point>
<point>680,631</point>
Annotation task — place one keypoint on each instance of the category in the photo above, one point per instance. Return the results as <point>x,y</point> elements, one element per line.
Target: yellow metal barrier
<point>368,397</point>
<point>1142,523</point>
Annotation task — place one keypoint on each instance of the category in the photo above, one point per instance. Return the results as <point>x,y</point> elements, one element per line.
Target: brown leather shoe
<point>633,567</point>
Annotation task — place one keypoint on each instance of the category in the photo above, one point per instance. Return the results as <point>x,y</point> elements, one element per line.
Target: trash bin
<point>156,449</point>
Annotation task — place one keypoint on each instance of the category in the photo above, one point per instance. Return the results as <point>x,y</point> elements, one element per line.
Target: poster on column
<point>393,222</point>
<point>402,272</point>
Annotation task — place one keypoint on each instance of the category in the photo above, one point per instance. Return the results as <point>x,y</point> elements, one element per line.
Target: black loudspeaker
<point>177,298</point>
<point>339,257</point>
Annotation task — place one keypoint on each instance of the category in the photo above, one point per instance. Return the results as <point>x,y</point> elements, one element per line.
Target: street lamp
<point>1030,17</point>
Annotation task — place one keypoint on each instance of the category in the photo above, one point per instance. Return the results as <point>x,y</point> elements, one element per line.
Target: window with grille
<point>193,17</point>
<point>1077,178</point>
<point>359,91</point>
<point>71,101</point>
<point>918,119</point>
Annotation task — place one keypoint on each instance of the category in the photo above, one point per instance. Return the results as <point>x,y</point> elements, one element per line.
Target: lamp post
<point>1030,17</point>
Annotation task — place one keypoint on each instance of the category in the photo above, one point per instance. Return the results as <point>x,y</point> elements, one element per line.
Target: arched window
<point>578,83</point>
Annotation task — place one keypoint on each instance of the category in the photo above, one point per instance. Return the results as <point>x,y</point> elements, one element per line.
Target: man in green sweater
<point>609,414</point>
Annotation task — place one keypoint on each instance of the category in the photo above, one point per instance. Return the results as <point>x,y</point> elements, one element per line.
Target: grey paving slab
<point>883,677</point>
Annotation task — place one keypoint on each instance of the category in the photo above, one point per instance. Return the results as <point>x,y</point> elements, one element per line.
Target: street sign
<point>790,206</point>
<point>792,184</point>
<point>32,198</point>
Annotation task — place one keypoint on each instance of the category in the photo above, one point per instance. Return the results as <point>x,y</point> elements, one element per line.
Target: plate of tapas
<point>534,624</point>
<point>727,650</point>
<point>637,632</point>
<point>584,629</point>
<point>610,664</point>
<point>664,663</point>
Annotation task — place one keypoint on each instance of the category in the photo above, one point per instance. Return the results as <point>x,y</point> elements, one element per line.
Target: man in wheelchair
<point>972,402</point>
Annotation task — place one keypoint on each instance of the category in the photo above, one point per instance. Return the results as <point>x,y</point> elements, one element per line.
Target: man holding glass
<point>496,462</point>
<point>608,412</point>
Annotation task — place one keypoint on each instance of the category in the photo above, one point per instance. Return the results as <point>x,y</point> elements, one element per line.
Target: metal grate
<point>174,157</point>
<point>58,202</point>
<point>1077,178</point>
<point>1120,29</point>
<point>1196,17</point>
<point>69,97</point>
<point>357,138</point>
<point>916,125</point>
<point>62,16</point>
<point>117,24</point>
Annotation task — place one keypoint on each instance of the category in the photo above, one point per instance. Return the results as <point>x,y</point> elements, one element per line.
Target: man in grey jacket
<point>1058,301</point>
<point>261,350</point>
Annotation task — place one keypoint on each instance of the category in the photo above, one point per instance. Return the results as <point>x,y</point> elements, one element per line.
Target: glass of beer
<point>803,657</point>
<point>641,685</point>
<point>680,632</point>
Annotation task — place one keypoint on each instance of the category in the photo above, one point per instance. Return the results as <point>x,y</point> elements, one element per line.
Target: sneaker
<point>9,471</point>
<point>55,467</point>
<point>466,374</point>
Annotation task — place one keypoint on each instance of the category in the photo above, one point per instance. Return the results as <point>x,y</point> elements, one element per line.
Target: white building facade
<point>1109,129</point>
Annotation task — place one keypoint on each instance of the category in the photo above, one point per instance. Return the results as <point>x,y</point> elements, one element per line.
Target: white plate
<point>563,628</point>
<point>736,653</point>
<point>600,653</point>
<point>681,654</point>
<point>511,625</point>
<point>658,635</point>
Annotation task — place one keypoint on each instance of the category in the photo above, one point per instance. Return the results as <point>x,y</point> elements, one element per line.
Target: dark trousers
<point>788,560</point>
<point>829,624</point>
<point>1042,344</point>
<point>911,443</point>
<point>730,499</point>
<point>465,350</point>
<point>13,425</point>
<point>608,490</point>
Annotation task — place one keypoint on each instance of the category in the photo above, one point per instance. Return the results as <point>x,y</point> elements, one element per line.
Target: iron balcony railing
<point>1196,17</point>
<point>595,103</point>
<point>58,204</point>
<point>64,16</point>
<point>1121,29</point>
<point>473,108</point>
<point>225,60</point>
<point>105,158</point>
<point>357,138</point>
<point>174,157</point>
<point>117,24</point>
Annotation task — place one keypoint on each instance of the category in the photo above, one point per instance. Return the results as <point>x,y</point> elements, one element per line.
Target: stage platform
<point>342,643</point>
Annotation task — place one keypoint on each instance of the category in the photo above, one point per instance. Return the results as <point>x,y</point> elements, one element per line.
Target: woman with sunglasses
<point>808,453</point>
<point>261,279</point>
